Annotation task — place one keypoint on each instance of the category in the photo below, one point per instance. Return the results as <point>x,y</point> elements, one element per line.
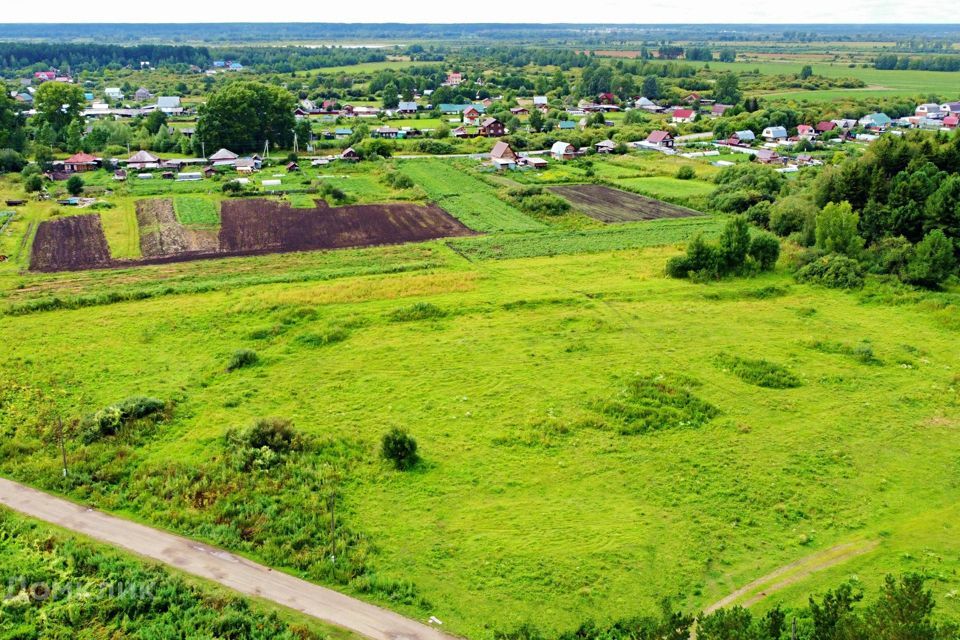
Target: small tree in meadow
<point>75,185</point>
<point>400,448</point>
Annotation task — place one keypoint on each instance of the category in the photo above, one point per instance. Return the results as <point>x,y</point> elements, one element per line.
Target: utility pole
<point>793,634</point>
<point>63,445</point>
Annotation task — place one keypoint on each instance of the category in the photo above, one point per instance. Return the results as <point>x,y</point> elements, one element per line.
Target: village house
<point>743,138</point>
<point>647,105</point>
<point>566,125</point>
<point>693,98</point>
<point>142,95</point>
<point>768,156</point>
<point>927,109</point>
<point>491,128</point>
<point>562,151</point>
<point>454,79</point>
<point>460,132</point>
<point>223,158</point>
<point>540,102</point>
<point>170,105</point>
<point>774,134</point>
<point>342,132</point>
<point>719,110</point>
<point>950,108</point>
<point>407,107</point>
<point>826,126</point>
<point>681,116</point>
<point>384,132</point>
<point>349,154</point>
<point>143,160</point>
<point>471,115</point>
<point>660,139</point>
<point>605,146</point>
<point>80,162</point>
<point>519,111</point>
<point>845,123</point>
<point>950,122</point>
<point>45,76</point>
<point>533,162</point>
<point>113,93</point>
<point>502,156</point>
<point>875,121</point>
<point>806,132</point>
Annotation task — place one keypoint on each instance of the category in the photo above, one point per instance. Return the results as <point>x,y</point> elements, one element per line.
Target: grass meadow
<point>536,499</point>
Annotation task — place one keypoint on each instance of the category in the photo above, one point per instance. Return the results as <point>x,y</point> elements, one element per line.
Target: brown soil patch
<point>267,226</point>
<point>70,243</point>
<point>613,205</point>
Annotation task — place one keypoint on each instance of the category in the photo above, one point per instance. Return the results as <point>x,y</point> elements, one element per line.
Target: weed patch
<point>417,311</point>
<point>758,372</point>
<point>655,403</point>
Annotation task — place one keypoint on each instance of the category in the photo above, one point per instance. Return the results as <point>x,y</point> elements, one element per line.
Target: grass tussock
<point>655,403</point>
<point>861,352</point>
<point>417,311</point>
<point>761,373</point>
<point>242,358</point>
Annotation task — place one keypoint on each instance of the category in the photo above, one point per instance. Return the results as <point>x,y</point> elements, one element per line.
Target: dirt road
<point>220,566</point>
<point>792,573</point>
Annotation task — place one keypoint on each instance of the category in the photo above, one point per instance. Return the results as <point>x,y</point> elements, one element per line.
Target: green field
<point>197,212</point>
<point>467,198</point>
<point>880,83</point>
<point>668,188</point>
<point>535,500</point>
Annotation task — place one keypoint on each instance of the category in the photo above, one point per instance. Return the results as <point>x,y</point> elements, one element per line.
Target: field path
<point>220,566</point>
<point>792,573</point>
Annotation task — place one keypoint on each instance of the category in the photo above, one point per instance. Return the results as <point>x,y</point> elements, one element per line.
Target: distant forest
<point>516,33</point>
<point>19,56</point>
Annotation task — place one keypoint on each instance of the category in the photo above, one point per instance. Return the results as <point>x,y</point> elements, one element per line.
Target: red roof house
<point>80,162</point>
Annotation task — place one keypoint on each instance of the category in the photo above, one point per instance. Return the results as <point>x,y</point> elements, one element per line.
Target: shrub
<point>75,185</point>
<point>679,267</point>
<point>834,271</point>
<point>276,434</point>
<point>11,161</point>
<point>931,261</point>
<point>242,358</point>
<point>232,188</point>
<point>765,249</point>
<point>109,420</point>
<point>890,255</point>
<point>654,403</point>
<point>400,448</point>
<point>33,184</point>
<point>734,244</point>
<point>759,214</point>
<point>398,180</point>
<point>686,173</point>
<point>792,214</point>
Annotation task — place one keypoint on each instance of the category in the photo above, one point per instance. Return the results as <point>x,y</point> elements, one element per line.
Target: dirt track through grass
<point>792,573</point>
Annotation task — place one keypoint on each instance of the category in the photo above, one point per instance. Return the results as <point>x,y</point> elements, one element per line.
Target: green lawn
<point>668,188</point>
<point>194,211</point>
<point>530,504</point>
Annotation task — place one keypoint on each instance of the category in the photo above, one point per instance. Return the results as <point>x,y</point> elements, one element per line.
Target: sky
<point>446,11</point>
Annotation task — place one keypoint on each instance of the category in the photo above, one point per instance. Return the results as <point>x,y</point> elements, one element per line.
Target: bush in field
<point>735,253</point>
<point>277,434</point>
<point>33,184</point>
<point>109,420</point>
<point>835,271</point>
<point>765,250</point>
<point>759,214</point>
<point>242,358</point>
<point>75,185</point>
<point>400,448</point>
<point>398,180</point>
<point>741,186</point>
<point>931,262</point>
<point>686,173</point>
<point>11,161</point>
<point>232,188</point>
<point>793,214</point>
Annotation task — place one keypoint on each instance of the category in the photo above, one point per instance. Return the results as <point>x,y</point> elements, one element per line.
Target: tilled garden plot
<point>70,243</point>
<point>254,226</point>
<point>613,205</point>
